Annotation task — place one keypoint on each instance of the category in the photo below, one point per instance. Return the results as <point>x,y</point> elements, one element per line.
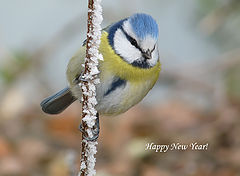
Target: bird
<point>129,70</point>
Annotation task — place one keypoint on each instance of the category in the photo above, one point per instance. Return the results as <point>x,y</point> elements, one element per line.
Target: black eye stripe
<point>131,40</point>
<point>153,48</point>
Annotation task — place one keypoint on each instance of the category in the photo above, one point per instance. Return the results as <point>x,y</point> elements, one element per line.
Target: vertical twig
<point>88,87</point>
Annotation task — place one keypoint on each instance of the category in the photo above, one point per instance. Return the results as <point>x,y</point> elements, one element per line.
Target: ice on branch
<point>89,88</point>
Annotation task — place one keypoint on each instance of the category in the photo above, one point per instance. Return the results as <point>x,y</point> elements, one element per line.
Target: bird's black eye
<point>133,42</point>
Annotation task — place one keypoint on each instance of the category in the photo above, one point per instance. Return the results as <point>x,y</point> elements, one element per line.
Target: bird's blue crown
<point>143,25</point>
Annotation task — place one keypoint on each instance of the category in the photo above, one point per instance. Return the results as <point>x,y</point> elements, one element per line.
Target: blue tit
<point>128,72</point>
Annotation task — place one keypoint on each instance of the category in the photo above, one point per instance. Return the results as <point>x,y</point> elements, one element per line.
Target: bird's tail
<point>58,102</point>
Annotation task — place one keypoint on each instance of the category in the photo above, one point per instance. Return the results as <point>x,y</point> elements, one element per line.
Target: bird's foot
<point>81,78</point>
<point>95,131</point>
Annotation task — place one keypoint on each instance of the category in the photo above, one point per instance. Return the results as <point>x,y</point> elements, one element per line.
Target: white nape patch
<point>124,48</point>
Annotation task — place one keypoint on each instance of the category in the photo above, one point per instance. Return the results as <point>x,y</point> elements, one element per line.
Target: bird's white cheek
<point>124,48</point>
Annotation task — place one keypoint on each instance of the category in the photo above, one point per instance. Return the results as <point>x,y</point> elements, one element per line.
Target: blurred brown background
<point>197,97</point>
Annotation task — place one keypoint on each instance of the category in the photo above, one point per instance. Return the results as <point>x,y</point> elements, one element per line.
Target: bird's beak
<point>147,54</point>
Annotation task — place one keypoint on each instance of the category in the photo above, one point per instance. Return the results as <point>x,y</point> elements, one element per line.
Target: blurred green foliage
<point>16,64</point>
<point>232,81</point>
<point>220,20</point>
<point>205,7</point>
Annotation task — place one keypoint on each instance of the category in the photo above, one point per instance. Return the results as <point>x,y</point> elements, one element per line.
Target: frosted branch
<point>89,88</point>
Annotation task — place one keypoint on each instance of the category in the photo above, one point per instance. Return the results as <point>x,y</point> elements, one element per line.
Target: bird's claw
<point>95,131</point>
<point>81,78</point>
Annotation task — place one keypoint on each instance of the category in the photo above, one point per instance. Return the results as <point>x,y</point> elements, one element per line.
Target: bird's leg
<point>80,78</point>
<point>95,130</point>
